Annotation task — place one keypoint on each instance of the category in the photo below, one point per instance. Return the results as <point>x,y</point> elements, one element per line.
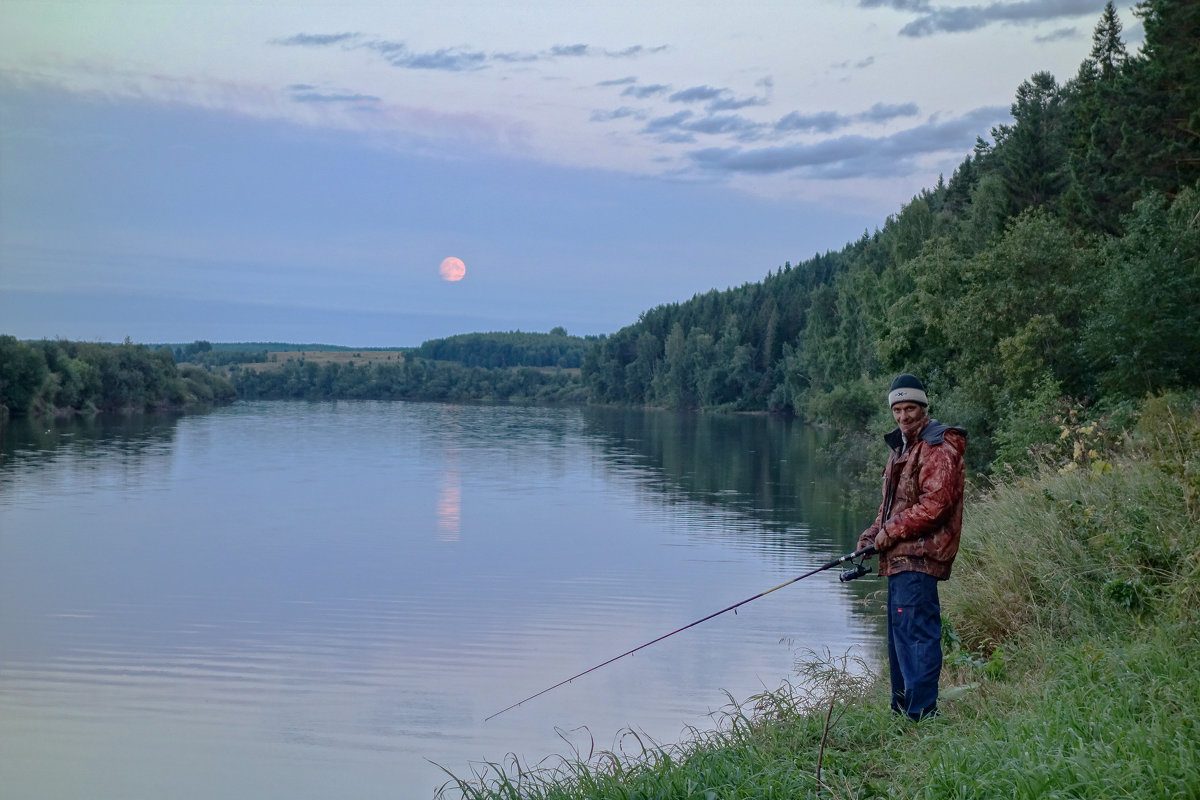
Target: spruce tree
<point>1163,99</point>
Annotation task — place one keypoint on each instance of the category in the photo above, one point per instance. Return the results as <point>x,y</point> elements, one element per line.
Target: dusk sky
<point>299,171</point>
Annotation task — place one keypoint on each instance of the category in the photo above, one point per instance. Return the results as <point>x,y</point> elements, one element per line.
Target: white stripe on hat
<point>907,394</point>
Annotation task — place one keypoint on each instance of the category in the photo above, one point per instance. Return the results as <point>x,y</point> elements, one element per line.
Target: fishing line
<point>848,575</point>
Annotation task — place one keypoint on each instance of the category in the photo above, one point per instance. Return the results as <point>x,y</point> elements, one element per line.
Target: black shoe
<point>928,713</point>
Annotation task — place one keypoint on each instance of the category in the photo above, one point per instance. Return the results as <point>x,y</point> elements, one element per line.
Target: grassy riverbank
<point>1072,644</point>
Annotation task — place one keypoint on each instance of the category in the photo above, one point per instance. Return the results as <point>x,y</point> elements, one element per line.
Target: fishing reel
<point>854,573</point>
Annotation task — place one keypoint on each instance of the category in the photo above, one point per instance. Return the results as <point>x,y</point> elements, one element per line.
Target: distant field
<point>356,357</point>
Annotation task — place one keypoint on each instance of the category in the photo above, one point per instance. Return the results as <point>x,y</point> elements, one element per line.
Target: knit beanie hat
<point>907,389</point>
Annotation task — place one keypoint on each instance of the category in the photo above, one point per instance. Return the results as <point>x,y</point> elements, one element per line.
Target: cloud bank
<point>853,155</point>
<point>958,19</point>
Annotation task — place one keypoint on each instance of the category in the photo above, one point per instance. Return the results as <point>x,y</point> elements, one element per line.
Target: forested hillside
<point>1057,270</point>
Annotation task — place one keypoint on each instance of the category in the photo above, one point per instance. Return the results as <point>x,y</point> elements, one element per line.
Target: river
<point>325,600</point>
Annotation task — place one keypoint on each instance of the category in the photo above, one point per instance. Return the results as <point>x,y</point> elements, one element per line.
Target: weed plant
<point>1072,645</point>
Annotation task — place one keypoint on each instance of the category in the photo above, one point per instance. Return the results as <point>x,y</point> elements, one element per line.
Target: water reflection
<point>449,503</point>
<point>101,453</point>
<point>775,489</point>
<point>277,598</point>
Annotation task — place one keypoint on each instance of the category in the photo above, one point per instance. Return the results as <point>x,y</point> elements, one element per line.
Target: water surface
<point>326,600</point>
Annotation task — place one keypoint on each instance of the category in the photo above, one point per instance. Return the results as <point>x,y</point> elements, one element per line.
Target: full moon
<point>452,269</point>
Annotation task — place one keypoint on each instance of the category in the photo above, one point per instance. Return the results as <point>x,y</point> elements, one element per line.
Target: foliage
<point>512,349</point>
<point>61,376</point>
<point>1098,541</point>
<point>1169,436</point>
<point>1144,335</point>
<point>23,372</point>
<point>412,379</point>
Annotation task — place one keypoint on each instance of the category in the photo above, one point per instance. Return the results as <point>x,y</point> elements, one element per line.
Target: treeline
<point>413,379</point>
<point>183,351</point>
<point>1057,270</point>
<point>41,377</point>
<point>512,349</point>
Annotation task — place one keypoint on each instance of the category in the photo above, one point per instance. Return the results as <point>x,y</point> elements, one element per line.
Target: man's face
<point>908,415</point>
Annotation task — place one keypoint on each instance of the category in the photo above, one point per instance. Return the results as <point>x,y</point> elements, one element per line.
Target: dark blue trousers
<point>914,643</point>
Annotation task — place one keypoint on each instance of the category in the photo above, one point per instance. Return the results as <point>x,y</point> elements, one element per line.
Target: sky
<point>298,171</point>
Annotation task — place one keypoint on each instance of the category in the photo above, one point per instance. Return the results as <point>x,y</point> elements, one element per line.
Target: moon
<point>452,269</point>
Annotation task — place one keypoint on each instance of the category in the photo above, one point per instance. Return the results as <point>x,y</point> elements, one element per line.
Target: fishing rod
<point>857,571</point>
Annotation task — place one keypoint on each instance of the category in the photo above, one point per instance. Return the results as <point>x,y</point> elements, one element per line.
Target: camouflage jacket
<point>921,512</point>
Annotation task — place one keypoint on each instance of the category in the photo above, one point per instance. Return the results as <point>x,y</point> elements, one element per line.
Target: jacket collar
<point>933,433</point>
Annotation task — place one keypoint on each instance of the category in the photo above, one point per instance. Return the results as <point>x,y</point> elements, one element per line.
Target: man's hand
<point>882,540</point>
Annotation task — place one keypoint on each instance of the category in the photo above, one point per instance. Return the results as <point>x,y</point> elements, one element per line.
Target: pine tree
<point>1108,50</point>
<point>1030,154</point>
<point>1163,100</point>
<point>1102,188</point>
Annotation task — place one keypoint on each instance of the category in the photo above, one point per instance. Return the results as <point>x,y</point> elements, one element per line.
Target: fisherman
<point>916,536</point>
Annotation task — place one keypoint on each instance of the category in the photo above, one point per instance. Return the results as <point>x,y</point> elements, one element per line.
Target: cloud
<point>447,59</point>
<point>320,97</point>
<point>724,124</point>
<point>683,125</point>
<point>677,137</point>
<point>853,155</point>
<point>621,113</point>
<point>860,64</point>
<point>884,112</point>
<point>687,125</point>
<point>1058,35</point>
<point>829,121</point>
<point>636,50</point>
<point>570,50</point>
<point>642,92</point>
<point>957,19</point>
<point>671,122</point>
<point>514,58</point>
<point>696,94</point>
<point>717,99</point>
<point>315,39</point>
<point>618,81</point>
<point>820,122</point>
<point>735,103</point>
<point>458,59</point>
<point>899,5</point>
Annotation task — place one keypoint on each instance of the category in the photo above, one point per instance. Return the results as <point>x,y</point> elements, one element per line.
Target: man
<point>916,536</point>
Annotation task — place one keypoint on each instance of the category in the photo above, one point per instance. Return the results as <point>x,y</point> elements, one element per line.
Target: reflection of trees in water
<point>765,466</point>
<point>768,470</point>
<point>129,445</point>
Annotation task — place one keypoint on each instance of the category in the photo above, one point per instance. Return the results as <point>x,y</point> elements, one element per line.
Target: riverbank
<point>1070,670</point>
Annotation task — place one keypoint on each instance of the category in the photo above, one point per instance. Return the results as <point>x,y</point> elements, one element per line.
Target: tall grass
<point>1073,648</point>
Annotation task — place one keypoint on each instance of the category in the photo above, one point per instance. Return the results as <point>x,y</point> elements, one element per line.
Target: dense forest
<point>1057,270</point>
<point>1051,283</point>
<point>513,349</point>
<point>412,379</point>
<point>45,377</point>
